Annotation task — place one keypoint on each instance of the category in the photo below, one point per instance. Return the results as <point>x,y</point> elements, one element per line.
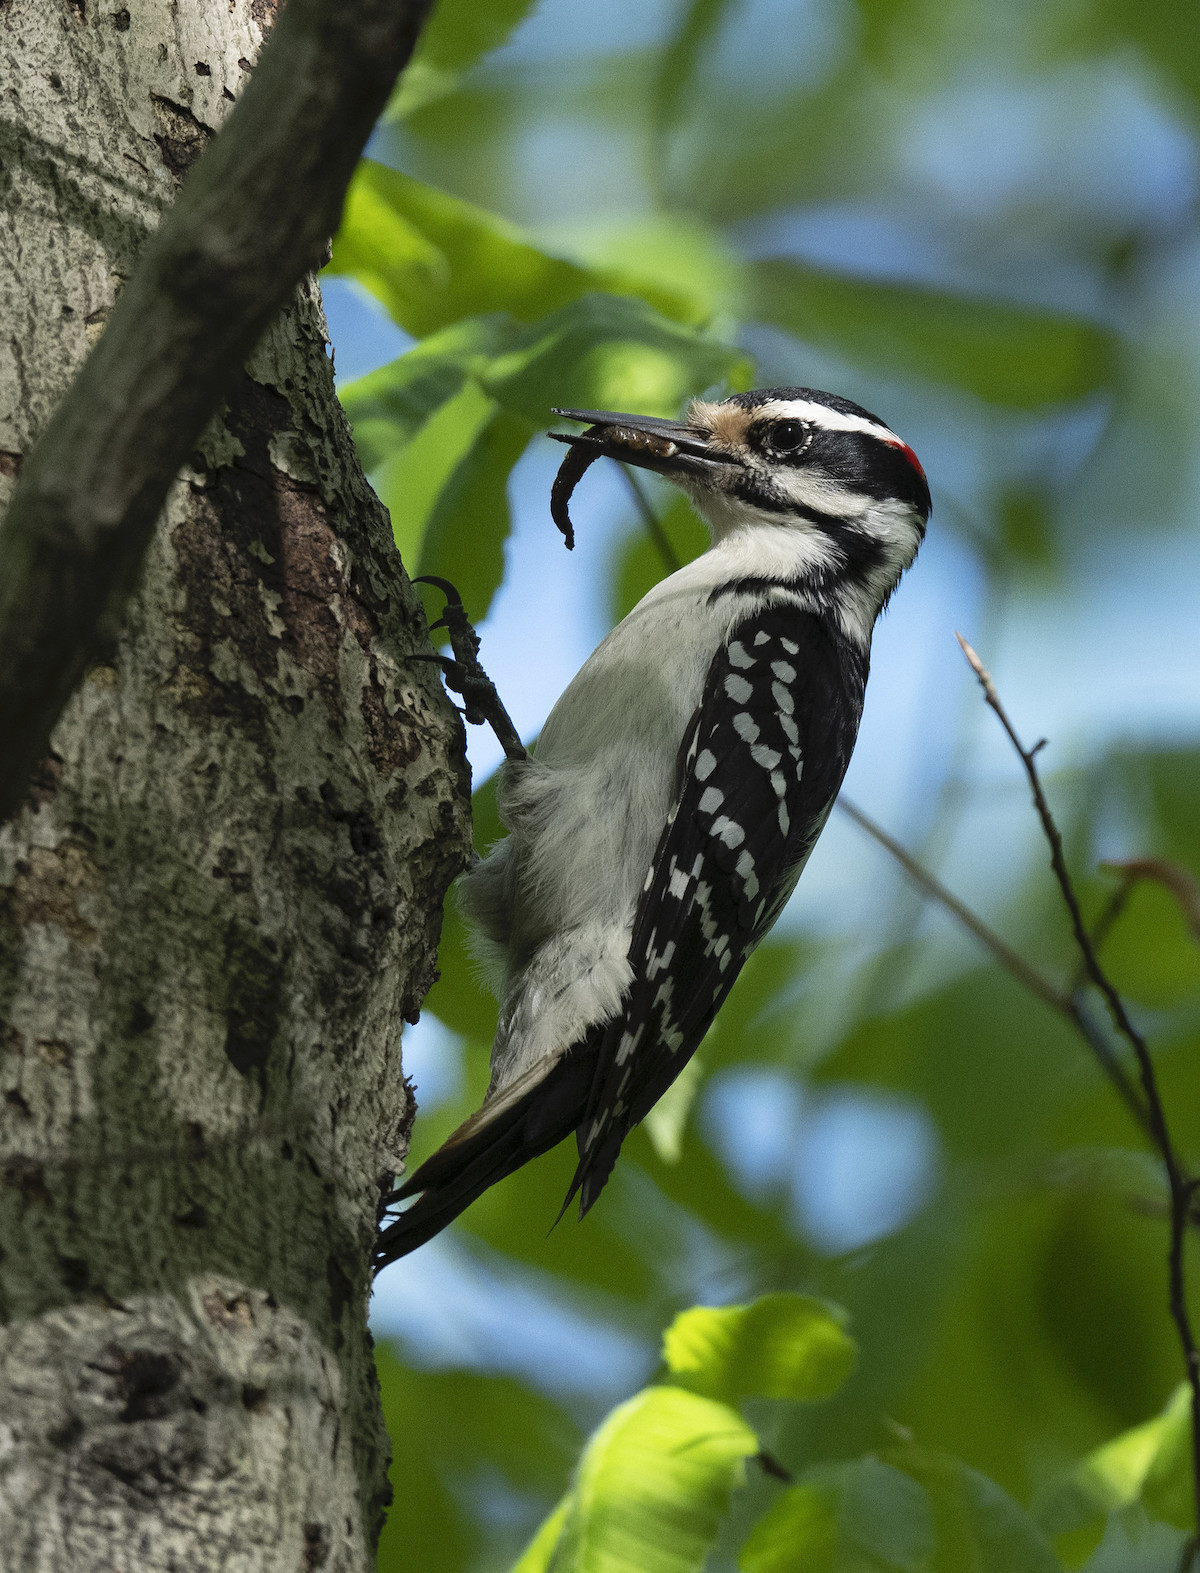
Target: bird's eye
<point>787,436</point>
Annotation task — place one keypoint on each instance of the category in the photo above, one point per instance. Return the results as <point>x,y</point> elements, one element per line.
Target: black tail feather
<point>451,1178</point>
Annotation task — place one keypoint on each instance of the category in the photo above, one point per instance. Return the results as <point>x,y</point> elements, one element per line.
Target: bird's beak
<point>671,447</point>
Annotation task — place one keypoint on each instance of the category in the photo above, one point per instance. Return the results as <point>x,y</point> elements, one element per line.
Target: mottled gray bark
<point>220,900</point>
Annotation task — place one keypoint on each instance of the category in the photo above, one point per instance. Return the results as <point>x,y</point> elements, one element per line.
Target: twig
<point>652,522</point>
<point>1103,927</point>
<point>987,937</point>
<point>1179,882</point>
<point>1180,1185</point>
<point>252,218</point>
<point>1065,1003</point>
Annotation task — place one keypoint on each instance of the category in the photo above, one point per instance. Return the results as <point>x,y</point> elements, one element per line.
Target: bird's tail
<point>523,1121</point>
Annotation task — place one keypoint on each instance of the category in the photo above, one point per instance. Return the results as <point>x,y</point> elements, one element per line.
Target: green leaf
<point>539,1554</point>
<point>1149,1463</point>
<point>688,260</point>
<point>977,1525</point>
<point>1012,355</point>
<point>667,1120</point>
<point>800,1531</point>
<point>432,259</point>
<point>652,1487</point>
<point>444,1426</point>
<point>698,24</point>
<point>780,1346</point>
<point>610,352</point>
<point>411,480</point>
<point>389,406</point>
<point>469,523</point>
<point>442,426</point>
<point>862,1517</point>
<point>1151,953</point>
<point>456,35</point>
<point>641,564</point>
<point>1154,25</point>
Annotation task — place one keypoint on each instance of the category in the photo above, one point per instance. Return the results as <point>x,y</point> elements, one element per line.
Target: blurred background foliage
<point>980,220</point>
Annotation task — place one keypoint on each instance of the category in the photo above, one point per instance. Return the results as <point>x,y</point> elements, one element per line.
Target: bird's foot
<point>463,673</point>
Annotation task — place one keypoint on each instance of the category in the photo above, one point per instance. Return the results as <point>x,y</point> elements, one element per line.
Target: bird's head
<point>850,492</point>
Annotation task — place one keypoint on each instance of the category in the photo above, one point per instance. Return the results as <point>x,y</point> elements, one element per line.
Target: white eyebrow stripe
<point>821,415</point>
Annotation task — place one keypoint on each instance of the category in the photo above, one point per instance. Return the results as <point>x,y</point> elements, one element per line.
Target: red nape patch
<point>909,455</point>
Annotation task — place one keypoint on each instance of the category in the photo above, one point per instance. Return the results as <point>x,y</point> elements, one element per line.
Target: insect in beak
<point>669,447</point>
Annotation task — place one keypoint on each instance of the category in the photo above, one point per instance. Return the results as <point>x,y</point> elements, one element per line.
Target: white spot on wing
<point>738,689</point>
<point>712,799</point>
<point>725,830</point>
<point>738,655</point>
<point>705,765</point>
<point>745,727</point>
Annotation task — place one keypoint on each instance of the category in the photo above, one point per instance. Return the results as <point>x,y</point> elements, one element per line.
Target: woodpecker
<point>680,782</point>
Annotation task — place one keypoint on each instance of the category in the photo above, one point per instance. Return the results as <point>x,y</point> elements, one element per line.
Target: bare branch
<point>1180,1184</point>
<point>253,216</point>
<point>1066,1004</point>
<point>1180,882</point>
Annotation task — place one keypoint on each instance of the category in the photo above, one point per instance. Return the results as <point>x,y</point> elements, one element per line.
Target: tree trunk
<point>218,904</point>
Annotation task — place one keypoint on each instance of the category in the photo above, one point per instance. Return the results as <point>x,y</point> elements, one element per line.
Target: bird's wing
<point>759,771</point>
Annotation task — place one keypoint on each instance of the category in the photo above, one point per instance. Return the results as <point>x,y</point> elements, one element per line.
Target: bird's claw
<point>464,674</point>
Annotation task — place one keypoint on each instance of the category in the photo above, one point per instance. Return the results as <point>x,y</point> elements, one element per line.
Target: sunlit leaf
<point>651,1487</point>
<point>610,352</point>
<point>1150,1464</point>
<point>688,259</point>
<point>539,1555</point>
<point>456,35</point>
<point>468,525</point>
<point>780,1346</point>
<point>1007,354</point>
<point>412,479</point>
<point>389,406</point>
<point>432,259</point>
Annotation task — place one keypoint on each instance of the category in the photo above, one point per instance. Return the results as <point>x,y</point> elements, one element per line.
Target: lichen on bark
<point>218,904</point>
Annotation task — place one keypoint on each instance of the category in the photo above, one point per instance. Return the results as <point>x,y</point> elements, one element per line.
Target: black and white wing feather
<point>759,770</point>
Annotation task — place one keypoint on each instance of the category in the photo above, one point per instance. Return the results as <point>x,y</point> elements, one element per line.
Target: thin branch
<point>1003,952</point>
<point>1103,927</point>
<point>1180,1184</point>
<point>1065,1003</point>
<point>652,522</point>
<point>252,218</point>
<point>1179,882</point>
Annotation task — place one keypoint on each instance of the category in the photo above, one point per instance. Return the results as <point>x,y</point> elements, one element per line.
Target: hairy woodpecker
<point>681,781</point>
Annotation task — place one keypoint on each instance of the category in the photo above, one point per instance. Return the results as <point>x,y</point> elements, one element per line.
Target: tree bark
<point>218,903</point>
